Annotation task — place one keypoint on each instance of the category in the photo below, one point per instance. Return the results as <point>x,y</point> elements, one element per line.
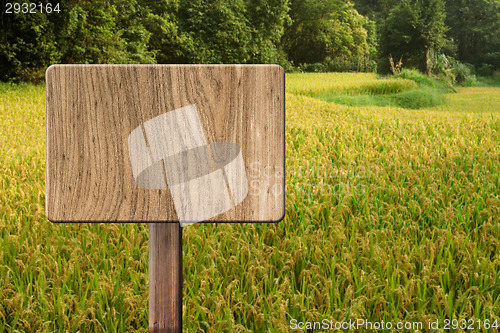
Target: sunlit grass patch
<point>321,84</point>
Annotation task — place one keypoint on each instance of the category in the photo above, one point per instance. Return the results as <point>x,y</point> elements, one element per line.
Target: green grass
<point>411,99</point>
<point>410,89</point>
<point>392,214</point>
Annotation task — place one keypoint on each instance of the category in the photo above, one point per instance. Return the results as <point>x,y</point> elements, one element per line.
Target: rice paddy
<point>392,214</point>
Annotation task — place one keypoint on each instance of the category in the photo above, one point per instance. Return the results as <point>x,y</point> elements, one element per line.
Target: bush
<point>440,83</point>
<point>352,64</point>
<point>464,73</point>
<point>417,76</point>
<point>485,70</point>
<point>443,69</point>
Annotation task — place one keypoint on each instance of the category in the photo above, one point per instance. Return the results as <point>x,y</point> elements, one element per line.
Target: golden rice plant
<point>391,214</point>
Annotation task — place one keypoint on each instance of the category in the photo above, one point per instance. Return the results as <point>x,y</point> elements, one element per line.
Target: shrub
<point>417,76</point>
<point>441,83</point>
<point>463,72</point>
<point>485,70</point>
<point>443,69</point>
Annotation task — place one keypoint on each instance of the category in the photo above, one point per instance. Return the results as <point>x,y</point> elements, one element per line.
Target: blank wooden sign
<point>152,143</point>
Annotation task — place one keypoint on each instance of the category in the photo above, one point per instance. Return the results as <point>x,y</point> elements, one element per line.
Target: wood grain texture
<point>165,278</point>
<point>92,109</point>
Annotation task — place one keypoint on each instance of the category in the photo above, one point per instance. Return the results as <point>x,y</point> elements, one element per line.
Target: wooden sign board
<point>155,143</point>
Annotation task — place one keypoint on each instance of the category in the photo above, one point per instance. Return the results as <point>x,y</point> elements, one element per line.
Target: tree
<point>324,29</point>
<point>87,33</point>
<point>375,9</point>
<point>80,32</point>
<point>168,41</point>
<point>267,19</point>
<point>219,30</point>
<point>415,31</point>
<point>27,46</point>
<point>130,25</point>
<point>475,28</point>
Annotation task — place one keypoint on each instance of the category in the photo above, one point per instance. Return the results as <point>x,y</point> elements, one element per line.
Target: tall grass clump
<point>418,77</point>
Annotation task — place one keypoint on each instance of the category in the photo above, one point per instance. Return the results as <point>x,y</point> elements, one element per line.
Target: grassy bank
<point>410,89</point>
<point>391,214</point>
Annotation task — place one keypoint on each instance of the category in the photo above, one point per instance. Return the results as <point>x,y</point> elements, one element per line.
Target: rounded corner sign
<point>158,143</point>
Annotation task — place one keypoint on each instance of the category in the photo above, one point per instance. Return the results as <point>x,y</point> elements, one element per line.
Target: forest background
<point>450,39</point>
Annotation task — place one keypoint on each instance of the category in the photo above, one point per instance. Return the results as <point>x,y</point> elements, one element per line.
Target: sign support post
<point>168,145</point>
<point>165,278</point>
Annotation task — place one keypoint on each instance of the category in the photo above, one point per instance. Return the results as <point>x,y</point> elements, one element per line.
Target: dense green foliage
<point>27,46</point>
<point>142,31</point>
<point>437,35</point>
<point>324,30</point>
<point>454,39</point>
<point>414,30</point>
<point>475,28</point>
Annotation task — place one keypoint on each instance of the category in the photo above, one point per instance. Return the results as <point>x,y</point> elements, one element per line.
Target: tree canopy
<point>322,29</point>
<point>337,34</point>
<point>417,38</point>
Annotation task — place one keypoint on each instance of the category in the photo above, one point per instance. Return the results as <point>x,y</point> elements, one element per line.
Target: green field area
<point>392,214</point>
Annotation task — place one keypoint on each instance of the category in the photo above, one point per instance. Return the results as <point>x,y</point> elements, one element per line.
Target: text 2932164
<point>31,8</point>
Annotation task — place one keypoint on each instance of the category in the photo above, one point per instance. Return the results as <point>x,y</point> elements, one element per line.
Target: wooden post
<point>165,278</point>
<point>131,143</point>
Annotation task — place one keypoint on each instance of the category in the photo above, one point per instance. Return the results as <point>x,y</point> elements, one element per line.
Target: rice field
<point>348,83</point>
<point>392,214</point>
